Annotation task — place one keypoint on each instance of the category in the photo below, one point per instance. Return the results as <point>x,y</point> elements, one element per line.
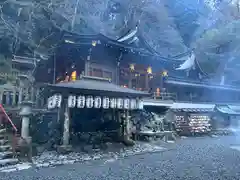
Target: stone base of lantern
<point>169,136</point>
<point>64,149</point>
<point>128,142</point>
<point>24,146</point>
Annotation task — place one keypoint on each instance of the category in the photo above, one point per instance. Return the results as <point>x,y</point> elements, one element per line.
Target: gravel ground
<point>190,158</point>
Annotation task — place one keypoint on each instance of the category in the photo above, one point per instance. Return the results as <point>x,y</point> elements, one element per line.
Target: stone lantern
<point>26,113</point>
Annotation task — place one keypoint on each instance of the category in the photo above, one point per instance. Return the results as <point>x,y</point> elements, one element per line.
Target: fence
<point>189,99</point>
<point>165,96</point>
<point>13,97</point>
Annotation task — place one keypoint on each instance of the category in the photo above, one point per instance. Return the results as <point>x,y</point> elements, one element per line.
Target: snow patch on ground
<point>110,160</point>
<point>17,167</point>
<point>52,159</point>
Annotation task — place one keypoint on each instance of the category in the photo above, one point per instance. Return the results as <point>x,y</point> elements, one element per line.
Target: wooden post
<point>42,101</point>
<point>27,95</point>
<point>37,97</point>
<point>20,95</point>
<point>126,129</point>
<point>113,115</point>
<point>118,119</point>
<point>65,147</point>
<point>118,68</point>
<point>117,74</point>
<point>146,82</point>
<point>32,94</point>
<point>1,97</point>
<point>127,126</point>
<point>59,115</point>
<point>7,98</point>
<point>86,69</point>
<point>87,63</point>
<point>14,98</point>
<point>119,123</point>
<point>130,80</point>
<point>66,134</point>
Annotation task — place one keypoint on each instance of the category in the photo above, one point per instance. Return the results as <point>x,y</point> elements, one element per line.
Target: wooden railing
<point>12,98</point>
<point>165,96</point>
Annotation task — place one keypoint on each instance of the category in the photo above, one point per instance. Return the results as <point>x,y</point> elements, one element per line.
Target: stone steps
<point>6,147</point>
<point>3,142</point>
<point>2,131</point>
<point>6,153</point>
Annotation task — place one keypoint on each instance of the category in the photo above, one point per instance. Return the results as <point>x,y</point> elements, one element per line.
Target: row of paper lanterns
<point>73,101</point>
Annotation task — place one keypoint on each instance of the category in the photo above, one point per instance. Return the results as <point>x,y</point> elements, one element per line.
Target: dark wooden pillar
<point>130,80</point>
<point>119,120</point>
<point>66,127</point>
<point>87,63</point>
<point>118,68</point>
<point>65,146</point>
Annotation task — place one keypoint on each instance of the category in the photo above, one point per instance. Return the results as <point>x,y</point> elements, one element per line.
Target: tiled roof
<point>226,110</point>
<point>97,85</point>
<point>193,110</point>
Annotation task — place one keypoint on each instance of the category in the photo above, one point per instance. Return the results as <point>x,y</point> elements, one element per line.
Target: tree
<point>115,18</point>
<point>158,28</point>
<point>26,23</point>
<point>217,42</point>
<point>185,14</point>
<point>36,22</point>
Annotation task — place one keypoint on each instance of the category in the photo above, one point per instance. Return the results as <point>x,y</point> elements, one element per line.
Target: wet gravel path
<point>191,158</point>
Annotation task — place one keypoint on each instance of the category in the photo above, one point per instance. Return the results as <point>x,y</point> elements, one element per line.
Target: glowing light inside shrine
<point>132,67</point>
<point>94,43</point>
<point>149,70</point>
<point>165,73</point>
<point>74,76</point>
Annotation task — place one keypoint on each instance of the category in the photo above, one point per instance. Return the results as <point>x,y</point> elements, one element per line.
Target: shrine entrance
<point>94,126</point>
<point>94,110</point>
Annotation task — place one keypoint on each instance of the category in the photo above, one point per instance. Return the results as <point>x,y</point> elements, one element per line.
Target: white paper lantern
<point>105,103</point>
<point>126,103</point>
<point>71,101</point>
<point>58,98</point>
<point>113,103</point>
<point>120,103</point>
<point>51,102</point>
<point>89,102</point>
<point>133,104</point>
<point>81,101</point>
<point>97,102</point>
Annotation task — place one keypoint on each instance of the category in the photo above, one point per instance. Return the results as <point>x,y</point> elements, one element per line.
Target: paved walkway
<point>191,158</point>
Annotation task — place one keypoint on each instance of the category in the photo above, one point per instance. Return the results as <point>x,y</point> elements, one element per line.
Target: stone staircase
<point>6,150</point>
